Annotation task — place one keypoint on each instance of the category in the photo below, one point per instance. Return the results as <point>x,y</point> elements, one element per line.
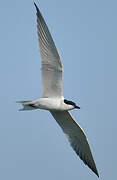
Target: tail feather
<point>27,105</point>
<point>23,102</point>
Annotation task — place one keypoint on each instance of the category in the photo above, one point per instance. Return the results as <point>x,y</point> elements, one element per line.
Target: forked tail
<point>27,105</point>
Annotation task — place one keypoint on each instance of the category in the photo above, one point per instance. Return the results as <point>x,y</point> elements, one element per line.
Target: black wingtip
<point>36,7</point>
<point>96,172</point>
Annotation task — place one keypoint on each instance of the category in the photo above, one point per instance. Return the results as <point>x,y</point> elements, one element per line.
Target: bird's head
<point>71,103</point>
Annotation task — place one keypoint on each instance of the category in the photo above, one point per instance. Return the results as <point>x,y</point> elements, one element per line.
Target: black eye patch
<point>69,102</point>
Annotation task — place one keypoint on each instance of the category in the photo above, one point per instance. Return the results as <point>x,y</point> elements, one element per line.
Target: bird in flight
<point>52,98</point>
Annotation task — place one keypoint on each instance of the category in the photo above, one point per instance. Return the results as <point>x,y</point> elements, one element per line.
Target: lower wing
<point>76,137</point>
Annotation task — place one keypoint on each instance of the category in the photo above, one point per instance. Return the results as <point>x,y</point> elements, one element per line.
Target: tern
<point>53,100</point>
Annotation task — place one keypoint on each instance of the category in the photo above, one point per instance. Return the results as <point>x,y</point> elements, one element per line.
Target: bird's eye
<point>69,102</point>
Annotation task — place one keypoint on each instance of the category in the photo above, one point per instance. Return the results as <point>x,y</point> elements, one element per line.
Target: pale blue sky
<point>85,33</point>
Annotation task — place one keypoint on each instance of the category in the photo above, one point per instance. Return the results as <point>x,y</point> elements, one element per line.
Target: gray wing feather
<point>76,137</point>
<point>51,63</point>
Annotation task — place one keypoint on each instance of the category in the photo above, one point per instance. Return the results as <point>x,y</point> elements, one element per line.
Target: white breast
<point>53,104</point>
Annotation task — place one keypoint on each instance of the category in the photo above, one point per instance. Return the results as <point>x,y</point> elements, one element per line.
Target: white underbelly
<point>51,104</point>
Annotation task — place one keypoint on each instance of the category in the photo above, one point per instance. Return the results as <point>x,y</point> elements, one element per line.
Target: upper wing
<point>76,138</point>
<point>51,63</point>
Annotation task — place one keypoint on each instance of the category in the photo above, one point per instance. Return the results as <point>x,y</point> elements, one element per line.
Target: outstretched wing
<point>51,63</point>
<point>76,138</point>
